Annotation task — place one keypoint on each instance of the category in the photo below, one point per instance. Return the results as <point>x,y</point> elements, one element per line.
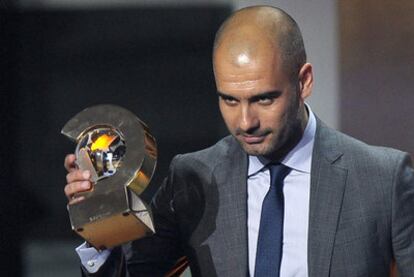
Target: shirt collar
<point>299,158</point>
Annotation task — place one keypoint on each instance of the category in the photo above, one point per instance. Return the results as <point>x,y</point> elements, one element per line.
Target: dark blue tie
<point>269,243</point>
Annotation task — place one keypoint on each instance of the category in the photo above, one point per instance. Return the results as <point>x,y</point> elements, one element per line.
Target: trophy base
<point>118,228</point>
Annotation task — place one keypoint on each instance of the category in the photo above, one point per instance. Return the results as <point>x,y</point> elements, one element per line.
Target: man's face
<point>259,104</point>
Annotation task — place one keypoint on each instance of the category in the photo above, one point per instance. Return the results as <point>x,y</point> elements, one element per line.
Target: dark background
<point>155,62</point>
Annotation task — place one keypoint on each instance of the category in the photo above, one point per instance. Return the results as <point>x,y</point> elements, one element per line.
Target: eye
<point>265,100</point>
<point>230,101</point>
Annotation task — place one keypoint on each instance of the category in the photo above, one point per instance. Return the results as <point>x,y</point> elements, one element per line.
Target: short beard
<point>290,134</point>
<point>287,139</point>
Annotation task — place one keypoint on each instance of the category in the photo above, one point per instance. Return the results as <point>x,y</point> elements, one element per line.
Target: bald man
<point>343,208</point>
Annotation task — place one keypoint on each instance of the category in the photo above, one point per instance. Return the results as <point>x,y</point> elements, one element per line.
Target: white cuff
<point>91,258</point>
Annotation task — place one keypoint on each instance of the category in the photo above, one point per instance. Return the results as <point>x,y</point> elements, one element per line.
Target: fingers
<point>77,180</point>
<point>78,175</point>
<point>69,163</point>
<point>75,187</point>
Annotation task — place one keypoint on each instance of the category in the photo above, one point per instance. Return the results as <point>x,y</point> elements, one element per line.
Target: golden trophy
<point>120,153</point>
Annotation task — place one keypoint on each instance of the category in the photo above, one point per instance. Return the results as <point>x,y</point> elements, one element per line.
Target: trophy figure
<point>120,154</point>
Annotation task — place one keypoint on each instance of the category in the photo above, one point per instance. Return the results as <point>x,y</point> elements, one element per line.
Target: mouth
<point>253,139</point>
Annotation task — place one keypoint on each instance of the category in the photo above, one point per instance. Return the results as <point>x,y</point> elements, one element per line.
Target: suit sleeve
<point>150,256</point>
<point>403,218</point>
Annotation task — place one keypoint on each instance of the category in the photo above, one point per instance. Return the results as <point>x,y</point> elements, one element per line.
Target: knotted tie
<point>269,243</point>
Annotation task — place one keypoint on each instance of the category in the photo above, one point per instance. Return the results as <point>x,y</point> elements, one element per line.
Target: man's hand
<point>77,180</point>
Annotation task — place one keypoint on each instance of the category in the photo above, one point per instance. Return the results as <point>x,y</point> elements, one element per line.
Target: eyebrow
<point>223,95</point>
<point>268,94</point>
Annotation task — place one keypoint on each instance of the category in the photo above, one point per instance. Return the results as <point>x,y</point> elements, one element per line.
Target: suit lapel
<point>327,188</point>
<point>328,181</point>
<point>228,244</point>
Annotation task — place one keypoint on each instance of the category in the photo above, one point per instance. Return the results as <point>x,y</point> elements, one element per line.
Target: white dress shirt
<point>296,192</point>
<point>91,258</point>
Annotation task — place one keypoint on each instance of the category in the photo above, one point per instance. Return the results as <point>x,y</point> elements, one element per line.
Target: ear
<point>305,81</point>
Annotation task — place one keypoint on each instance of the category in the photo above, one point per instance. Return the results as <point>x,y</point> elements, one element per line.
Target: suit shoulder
<point>208,157</point>
<point>356,152</point>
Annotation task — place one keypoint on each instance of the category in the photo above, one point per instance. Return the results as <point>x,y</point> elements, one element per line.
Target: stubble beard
<point>278,141</point>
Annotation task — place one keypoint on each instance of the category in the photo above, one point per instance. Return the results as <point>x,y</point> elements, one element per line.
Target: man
<point>343,208</point>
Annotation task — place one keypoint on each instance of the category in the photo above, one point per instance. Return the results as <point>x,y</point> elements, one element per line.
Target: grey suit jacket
<point>361,213</point>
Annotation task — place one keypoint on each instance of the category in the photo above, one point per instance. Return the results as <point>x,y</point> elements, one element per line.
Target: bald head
<point>261,34</point>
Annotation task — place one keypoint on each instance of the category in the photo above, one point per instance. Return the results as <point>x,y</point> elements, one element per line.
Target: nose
<point>249,121</point>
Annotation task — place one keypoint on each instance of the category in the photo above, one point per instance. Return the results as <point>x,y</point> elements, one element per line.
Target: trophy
<point>120,153</point>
